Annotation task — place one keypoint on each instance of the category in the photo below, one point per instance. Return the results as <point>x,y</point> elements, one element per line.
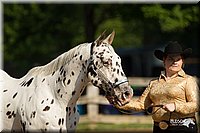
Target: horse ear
<point>101,37</point>
<point>110,38</point>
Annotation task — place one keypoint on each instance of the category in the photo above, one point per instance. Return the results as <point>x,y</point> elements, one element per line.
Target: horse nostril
<point>127,93</point>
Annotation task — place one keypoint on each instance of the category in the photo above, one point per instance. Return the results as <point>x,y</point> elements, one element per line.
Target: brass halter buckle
<point>163,125</point>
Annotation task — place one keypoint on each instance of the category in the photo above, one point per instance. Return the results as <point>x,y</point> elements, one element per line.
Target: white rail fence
<point>93,100</point>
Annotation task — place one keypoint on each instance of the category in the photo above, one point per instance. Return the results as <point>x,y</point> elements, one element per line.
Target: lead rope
<point>148,110</point>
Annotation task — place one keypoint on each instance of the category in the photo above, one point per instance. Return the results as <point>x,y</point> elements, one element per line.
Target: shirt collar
<point>181,73</point>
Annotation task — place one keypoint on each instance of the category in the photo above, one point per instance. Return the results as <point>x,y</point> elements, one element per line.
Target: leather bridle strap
<point>107,81</point>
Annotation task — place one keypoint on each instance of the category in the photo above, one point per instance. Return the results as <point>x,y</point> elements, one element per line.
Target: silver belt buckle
<point>163,125</point>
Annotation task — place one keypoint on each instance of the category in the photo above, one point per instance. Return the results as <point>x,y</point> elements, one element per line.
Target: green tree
<point>175,22</point>
<point>34,34</point>
<point>173,18</point>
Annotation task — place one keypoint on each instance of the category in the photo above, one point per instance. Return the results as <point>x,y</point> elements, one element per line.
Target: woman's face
<point>173,63</point>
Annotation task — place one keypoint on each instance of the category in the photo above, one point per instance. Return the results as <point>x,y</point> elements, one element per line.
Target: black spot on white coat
<point>61,68</point>
<point>29,99</point>
<point>81,57</point>
<point>58,91</point>
<point>8,105</point>
<point>72,73</point>
<point>10,114</point>
<point>64,81</point>
<point>29,82</point>
<point>53,73</point>
<point>33,114</point>
<point>68,82</point>
<point>14,95</point>
<point>52,101</point>
<point>59,122</point>
<point>42,102</point>
<point>73,93</point>
<point>5,90</point>
<point>67,109</point>
<point>74,109</point>
<point>43,80</point>
<point>46,108</point>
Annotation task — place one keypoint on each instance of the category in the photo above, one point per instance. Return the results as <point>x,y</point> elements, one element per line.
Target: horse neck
<point>71,78</point>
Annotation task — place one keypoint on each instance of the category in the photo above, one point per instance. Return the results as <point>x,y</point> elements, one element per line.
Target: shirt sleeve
<point>191,105</point>
<point>140,103</point>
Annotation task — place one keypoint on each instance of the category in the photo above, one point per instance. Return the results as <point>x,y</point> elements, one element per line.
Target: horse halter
<point>104,79</point>
<point>102,76</point>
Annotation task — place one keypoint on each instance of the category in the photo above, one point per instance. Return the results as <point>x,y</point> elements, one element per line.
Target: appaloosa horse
<point>45,98</point>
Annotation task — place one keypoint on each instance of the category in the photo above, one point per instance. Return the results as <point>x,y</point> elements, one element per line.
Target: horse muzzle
<point>122,95</point>
<point>125,96</point>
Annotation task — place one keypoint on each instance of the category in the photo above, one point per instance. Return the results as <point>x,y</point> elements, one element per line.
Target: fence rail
<point>93,99</point>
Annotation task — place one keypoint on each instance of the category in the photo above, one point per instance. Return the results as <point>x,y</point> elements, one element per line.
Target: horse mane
<point>55,64</point>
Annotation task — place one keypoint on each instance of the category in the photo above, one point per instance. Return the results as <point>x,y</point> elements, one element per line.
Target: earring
<point>183,65</point>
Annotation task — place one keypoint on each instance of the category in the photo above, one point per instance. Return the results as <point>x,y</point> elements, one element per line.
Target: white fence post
<point>92,93</point>
<point>93,99</point>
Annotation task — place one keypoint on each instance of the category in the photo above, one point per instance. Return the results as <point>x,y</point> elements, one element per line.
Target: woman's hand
<point>169,107</point>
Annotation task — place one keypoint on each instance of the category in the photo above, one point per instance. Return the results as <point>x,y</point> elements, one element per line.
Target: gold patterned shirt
<point>181,90</point>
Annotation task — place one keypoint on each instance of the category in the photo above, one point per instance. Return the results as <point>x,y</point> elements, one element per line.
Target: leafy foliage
<point>34,34</point>
<point>174,18</point>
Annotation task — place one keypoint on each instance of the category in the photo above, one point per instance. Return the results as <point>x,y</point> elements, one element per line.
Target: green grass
<point>107,127</point>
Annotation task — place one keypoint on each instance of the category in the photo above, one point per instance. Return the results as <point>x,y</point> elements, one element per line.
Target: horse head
<point>105,71</point>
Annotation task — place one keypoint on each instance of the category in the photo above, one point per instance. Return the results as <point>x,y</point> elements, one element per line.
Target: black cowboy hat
<point>173,48</point>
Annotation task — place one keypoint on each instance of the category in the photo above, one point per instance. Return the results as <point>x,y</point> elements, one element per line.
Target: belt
<point>176,122</point>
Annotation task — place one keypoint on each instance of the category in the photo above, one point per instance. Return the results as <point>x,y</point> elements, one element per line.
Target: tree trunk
<point>89,22</point>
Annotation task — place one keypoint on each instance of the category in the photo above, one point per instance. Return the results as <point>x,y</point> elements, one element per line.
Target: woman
<point>176,92</point>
